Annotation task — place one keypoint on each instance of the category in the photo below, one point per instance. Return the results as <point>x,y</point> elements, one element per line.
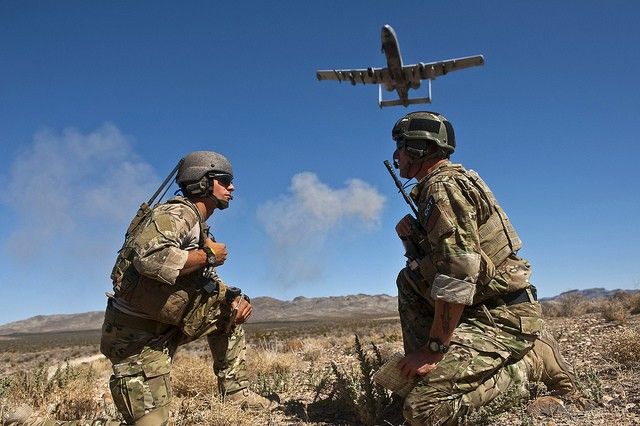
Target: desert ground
<point>320,373</point>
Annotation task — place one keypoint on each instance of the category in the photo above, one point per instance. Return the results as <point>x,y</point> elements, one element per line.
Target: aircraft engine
<point>424,71</point>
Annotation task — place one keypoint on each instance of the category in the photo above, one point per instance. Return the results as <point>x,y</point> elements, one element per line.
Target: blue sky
<point>98,101</point>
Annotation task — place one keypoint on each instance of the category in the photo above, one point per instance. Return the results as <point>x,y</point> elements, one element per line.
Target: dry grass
<point>210,411</point>
<point>625,347</point>
<point>298,369</point>
<point>618,308</point>
<point>635,304</point>
<point>573,305</point>
<point>616,311</point>
<point>193,377</point>
<point>70,394</point>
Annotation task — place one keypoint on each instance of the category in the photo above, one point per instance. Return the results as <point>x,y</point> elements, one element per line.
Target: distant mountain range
<point>267,309</point>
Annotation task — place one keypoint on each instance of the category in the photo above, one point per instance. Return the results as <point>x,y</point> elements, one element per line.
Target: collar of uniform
<point>443,165</point>
<point>191,204</point>
<point>415,192</point>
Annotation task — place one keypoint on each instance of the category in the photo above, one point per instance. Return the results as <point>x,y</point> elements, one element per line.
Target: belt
<point>519,296</point>
<point>118,317</point>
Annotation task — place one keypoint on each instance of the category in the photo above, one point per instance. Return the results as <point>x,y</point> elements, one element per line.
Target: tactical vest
<point>498,238</point>
<point>185,303</point>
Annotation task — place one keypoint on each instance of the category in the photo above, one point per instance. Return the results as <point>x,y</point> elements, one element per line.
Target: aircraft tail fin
<point>409,101</point>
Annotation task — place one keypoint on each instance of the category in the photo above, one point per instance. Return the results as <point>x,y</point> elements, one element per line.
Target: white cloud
<point>66,183</point>
<point>299,222</point>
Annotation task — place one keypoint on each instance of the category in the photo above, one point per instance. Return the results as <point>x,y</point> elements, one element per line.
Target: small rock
<point>546,405</point>
<point>585,403</point>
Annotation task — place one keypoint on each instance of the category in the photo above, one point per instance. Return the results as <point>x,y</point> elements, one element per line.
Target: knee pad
<point>138,396</point>
<point>419,412</point>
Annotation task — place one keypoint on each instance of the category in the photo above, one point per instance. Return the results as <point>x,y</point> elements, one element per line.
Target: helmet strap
<point>220,204</point>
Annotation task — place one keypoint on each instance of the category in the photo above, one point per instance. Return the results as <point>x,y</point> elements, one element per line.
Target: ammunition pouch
<point>419,259</point>
<point>185,304</point>
<point>162,302</point>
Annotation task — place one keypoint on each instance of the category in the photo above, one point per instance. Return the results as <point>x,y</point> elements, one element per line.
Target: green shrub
<point>356,390</point>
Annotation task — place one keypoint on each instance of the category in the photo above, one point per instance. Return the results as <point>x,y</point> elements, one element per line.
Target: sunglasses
<point>404,143</point>
<point>223,178</point>
<point>401,144</point>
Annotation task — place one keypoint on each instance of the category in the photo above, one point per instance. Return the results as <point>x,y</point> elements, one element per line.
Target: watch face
<point>211,257</point>
<point>437,347</point>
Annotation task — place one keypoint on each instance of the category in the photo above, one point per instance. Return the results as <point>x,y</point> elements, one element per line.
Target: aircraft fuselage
<point>391,49</point>
<point>397,76</point>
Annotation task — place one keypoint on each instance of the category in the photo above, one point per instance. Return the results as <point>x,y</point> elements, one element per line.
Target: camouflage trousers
<point>489,354</point>
<point>141,385</point>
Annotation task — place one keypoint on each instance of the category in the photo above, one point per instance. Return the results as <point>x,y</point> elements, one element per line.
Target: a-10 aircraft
<point>399,77</point>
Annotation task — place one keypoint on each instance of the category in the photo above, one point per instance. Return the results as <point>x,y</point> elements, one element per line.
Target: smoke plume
<point>73,187</point>
<point>299,222</point>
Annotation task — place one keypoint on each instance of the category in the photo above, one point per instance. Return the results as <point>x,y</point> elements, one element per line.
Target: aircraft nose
<point>387,32</point>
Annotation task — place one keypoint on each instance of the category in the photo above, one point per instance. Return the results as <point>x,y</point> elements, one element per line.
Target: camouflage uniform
<point>154,310</point>
<point>468,257</point>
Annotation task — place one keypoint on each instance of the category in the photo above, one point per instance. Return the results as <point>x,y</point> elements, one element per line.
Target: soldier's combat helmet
<point>418,129</point>
<point>197,171</point>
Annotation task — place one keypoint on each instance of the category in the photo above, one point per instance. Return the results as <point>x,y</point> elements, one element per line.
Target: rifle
<point>145,207</point>
<point>414,251</point>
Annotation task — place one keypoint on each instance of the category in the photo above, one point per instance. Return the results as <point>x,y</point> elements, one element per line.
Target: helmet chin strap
<point>396,165</point>
<point>220,204</point>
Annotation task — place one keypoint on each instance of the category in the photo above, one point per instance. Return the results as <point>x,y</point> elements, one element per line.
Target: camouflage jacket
<point>468,242</point>
<point>146,277</point>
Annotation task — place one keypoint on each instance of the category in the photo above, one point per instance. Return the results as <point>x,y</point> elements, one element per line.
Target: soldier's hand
<point>243,309</point>
<point>419,363</point>
<point>403,228</point>
<point>220,249</point>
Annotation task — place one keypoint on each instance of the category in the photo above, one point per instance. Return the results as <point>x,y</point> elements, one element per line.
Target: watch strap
<point>211,255</point>
<point>436,346</point>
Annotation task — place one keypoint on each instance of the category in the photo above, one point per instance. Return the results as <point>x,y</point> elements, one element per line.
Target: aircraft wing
<point>363,76</point>
<point>432,70</point>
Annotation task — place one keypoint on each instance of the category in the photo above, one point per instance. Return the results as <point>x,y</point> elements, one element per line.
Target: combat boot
<point>250,400</point>
<point>24,415</point>
<point>556,373</point>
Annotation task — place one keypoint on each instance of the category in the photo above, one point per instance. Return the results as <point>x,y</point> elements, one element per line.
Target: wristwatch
<point>211,256</point>
<point>436,346</point>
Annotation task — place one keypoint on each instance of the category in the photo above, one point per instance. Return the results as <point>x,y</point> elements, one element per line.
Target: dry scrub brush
<point>625,347</point>
<point>616,311</point>
<point>192,376</point>
<point>618,308</point>
<point>573,305</point>
<point>211,411</point>
<point>69,395</point>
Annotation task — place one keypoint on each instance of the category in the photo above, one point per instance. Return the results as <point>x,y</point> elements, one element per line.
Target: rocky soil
<point>294,363</point>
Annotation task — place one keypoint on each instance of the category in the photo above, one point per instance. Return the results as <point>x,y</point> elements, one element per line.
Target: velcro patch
<point>431,202</point>
<point>438,223</point>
